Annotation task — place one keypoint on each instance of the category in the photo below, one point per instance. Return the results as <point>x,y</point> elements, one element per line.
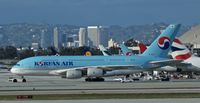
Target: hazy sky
<point>102,12</point>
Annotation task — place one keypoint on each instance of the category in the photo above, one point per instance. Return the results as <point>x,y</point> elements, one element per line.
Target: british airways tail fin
<point>125,50</point>
<point>161,46</point>
<point>142,47</point>
<point>179,50</point>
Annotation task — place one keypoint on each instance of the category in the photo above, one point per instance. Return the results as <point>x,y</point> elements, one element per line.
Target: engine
<point>73,74</point>
<point>93,72</point>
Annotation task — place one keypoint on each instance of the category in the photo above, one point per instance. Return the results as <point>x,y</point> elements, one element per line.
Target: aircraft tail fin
<point>142,47</point>
<point>179,50</point>
<point>125,50</point>
<point>161,46</point>
<point>104,51</point>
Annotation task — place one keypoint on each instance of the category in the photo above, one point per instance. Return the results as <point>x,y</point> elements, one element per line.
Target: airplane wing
<point>170,62</point>
<point>183,64</point>
<point>118,67</point>
<point>107,68</point>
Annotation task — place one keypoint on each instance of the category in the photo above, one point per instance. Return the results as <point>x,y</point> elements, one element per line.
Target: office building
<point>83,37</point>
<point>97,35</point>
<point>42,39</point>
<point>93,36</point>
<point>56,38</point>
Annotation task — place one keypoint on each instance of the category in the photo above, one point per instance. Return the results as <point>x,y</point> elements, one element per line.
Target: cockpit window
<point>17,64</point>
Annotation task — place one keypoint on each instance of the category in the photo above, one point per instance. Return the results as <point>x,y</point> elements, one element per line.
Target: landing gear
<point>95,79</point>
<point>179,70</point>
<point>24,80</point>
<point>15,80</point>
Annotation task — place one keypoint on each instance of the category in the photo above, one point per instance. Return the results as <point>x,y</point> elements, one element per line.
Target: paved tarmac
<point>194,100</point>
<point>57,85</point>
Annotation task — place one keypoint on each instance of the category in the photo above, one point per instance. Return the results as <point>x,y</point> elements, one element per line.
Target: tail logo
<point>179,50</point>
<point>163,43</point>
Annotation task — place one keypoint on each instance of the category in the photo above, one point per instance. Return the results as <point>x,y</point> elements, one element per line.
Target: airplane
<point>104,51</point>
<point>181,52</point>
<point>125,50</point>
<point>74,67</point>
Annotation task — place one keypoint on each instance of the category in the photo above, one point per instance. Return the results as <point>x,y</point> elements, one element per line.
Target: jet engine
<point>93,72</point>
<point>73,74</point>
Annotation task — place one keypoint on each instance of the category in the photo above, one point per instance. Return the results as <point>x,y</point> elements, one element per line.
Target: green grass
<point>106,96</point>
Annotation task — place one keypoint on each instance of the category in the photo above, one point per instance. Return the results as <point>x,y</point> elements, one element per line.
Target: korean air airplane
<point>72,67</point>
<point>125,50</point>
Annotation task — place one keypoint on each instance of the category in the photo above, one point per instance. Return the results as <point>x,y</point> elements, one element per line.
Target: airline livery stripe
<point>184,56</point>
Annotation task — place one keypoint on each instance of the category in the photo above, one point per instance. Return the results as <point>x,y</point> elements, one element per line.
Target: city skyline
<point>99,12</point>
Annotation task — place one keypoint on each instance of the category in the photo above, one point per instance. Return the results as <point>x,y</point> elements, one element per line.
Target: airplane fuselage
<point>195,63</point>
<point>42,65</point>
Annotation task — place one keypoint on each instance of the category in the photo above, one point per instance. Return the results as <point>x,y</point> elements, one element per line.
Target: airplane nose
<point>13,70</point>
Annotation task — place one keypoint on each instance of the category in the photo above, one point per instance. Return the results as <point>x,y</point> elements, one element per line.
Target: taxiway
<point>57,85</point>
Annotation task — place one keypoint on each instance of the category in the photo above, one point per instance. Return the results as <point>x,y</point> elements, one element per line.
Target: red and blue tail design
<point>161,46</point>
<point>142,47</point>
<point>179,50</point>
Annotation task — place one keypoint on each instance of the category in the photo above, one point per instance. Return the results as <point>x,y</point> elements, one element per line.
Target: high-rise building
<point>42,39</point>
<point>56,38</point>
<point>93,36</point>
<point>64,40</point>
<point>82,37</point>
<point>103,36</point>
<point>72,40</point>
<point>97,35</point>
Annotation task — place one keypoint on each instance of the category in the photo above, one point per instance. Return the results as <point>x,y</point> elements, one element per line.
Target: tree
<point>10,52</point>
<point>2,53</point>
<point>26,53</point>
<point>114,50</point>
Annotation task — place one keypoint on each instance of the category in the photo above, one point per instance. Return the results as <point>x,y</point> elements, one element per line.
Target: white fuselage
<point>195,63</point>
